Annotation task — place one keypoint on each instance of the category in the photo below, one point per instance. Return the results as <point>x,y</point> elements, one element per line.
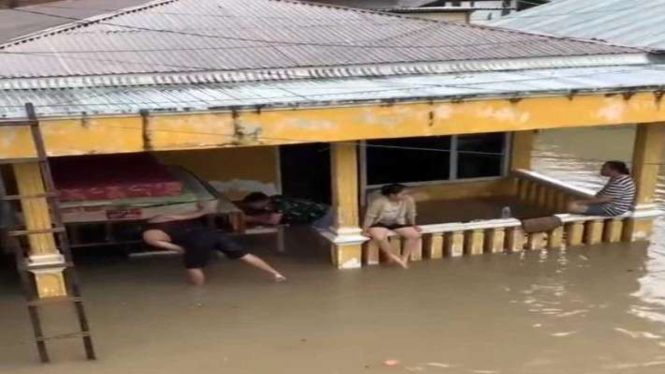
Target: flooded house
<point>314,101</point>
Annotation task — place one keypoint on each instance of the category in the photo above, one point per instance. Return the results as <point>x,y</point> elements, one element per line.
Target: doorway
<point>305,170</point>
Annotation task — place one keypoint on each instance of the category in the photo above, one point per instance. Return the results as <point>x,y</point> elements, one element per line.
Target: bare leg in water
<point>380,236</point>
<point>258,263</point>
<point>412,238</point>
<point>197,276</point>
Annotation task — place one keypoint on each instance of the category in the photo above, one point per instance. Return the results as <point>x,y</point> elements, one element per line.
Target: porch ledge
<point>554,183</point>
<point>438,228</point>
<point>642,212</point>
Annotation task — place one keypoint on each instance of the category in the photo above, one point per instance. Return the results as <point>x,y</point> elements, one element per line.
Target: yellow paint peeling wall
<point>246,128</point>
<point>235,171</point>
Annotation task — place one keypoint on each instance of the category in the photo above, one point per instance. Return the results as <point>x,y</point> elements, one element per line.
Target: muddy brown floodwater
<point>578,311</point>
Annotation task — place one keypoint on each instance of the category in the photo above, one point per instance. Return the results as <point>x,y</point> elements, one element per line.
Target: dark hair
<point>618,166</point>
<point>392,189</point>
<point>255,197</point>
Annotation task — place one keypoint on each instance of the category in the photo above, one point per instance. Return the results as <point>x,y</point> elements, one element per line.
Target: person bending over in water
<point>394,211</point>
<point>616,198</point>
<point>185,234</point>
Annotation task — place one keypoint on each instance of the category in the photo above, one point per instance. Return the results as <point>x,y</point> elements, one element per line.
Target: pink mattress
<point>112,177</point>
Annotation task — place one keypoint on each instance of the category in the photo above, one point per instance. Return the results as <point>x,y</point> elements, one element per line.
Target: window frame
<point>453,167</point>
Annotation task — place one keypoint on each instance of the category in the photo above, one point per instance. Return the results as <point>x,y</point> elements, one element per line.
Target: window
<point>437,158</point>
<point>408,160</point>
<point>480,156</point>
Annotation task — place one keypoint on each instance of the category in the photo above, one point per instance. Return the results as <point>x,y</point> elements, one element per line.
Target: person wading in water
<point>186,234</point>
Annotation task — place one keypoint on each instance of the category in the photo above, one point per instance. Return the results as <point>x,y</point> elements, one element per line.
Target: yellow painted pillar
<point>613,231</point>
<point>523,188</point>
<point>515,240</point>
<point>637,229</point>
<point>647,157</point>
<point>543,197</point>
<point>534,193</point>
<point>495,240</point>
<point>522,145</point>
<point>42,247</point>
<point>561,202</point>
<point>474,242</point>
<point>555,240</point>
<point>455,244</point>
<point>575,233</point>
<point>594,232</point>
<point>433,246</point>
<point>520,158</point>
<point>346,254</point>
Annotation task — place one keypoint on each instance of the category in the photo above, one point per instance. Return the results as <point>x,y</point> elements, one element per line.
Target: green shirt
<point>298,211</point>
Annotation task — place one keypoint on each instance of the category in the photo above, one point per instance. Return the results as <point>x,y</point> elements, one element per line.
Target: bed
<point>111,207</point>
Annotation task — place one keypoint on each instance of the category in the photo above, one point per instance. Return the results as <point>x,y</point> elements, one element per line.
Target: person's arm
<point>371,215</point>
<point>411,213</point>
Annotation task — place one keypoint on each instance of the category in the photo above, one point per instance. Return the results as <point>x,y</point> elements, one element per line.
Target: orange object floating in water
<point>391,362</point>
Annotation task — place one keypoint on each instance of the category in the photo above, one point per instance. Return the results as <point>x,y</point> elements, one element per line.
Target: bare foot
<point>279,278</point>
<point>400,262</point>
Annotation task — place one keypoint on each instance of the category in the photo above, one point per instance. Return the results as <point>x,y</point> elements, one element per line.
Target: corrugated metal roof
<point>16,22</point>
<point>201,97</point>
<point>639,23</point>
<point>210,35</point>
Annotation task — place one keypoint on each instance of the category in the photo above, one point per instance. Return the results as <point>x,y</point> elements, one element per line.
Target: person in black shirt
<point>185,234</point>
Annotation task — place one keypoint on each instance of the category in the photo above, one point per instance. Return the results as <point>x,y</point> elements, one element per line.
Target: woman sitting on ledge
<point>615,199</point>
<point>394,211</point>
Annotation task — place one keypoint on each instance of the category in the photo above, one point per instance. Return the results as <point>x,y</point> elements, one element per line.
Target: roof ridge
<point>83,22</point>
<point>156,3</point>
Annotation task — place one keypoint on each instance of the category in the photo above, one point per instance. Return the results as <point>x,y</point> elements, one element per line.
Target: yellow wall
<point>76,136</point>
<point>236,171</point>
<point>463,190</point>
<point>460,190</point>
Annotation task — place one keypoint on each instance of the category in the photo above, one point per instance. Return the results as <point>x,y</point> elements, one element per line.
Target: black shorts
<point>199,244</point>
<point>390,227</point>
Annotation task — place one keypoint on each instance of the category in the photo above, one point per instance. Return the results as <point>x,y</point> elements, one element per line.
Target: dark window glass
<point>480,155</point>
<point>408,160</point>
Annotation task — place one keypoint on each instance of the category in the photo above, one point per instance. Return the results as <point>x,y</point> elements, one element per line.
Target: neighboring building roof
<point>170,36</point>
<point>440,9</point>
<point>204,96</point>
<point>26,20</point>
<point>639,23</point>
<point>401,4</point>
<point>376,4</point>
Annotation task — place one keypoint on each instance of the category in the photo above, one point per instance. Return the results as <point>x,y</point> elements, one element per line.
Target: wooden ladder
<point>25,268</point>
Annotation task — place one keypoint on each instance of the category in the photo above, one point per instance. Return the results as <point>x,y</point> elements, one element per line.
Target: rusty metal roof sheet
<point>54,102</point>
<point>169,36</point>
<point>639,23</point>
